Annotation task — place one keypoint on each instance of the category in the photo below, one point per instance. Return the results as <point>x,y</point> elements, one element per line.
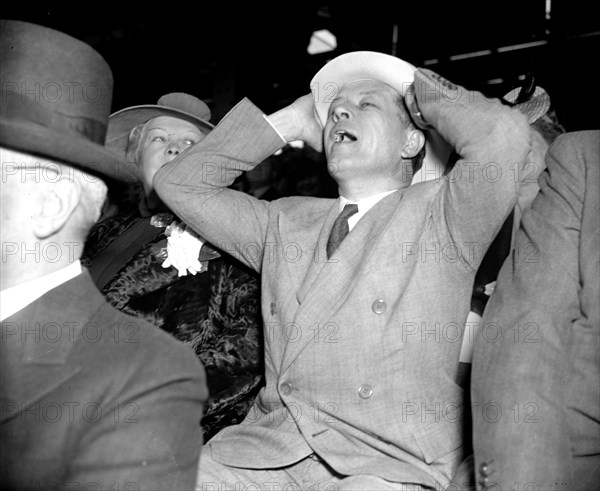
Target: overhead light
<point>474,54</point>
<point>321,42</point>
<point>516,47</point>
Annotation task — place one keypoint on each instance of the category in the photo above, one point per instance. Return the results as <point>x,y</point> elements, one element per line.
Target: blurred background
<point>224,51</point>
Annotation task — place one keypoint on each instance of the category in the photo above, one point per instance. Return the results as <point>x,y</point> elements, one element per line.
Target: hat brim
<point>122,122</point>
<point>64,148</point>
<point>371,65</point>
<point>358,65</point>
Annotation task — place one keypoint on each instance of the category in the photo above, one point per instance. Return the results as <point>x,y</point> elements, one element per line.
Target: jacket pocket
<point>440,431</point>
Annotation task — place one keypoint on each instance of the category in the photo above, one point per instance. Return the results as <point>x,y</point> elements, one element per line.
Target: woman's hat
<point>176,104</point>
<point>56,94</point>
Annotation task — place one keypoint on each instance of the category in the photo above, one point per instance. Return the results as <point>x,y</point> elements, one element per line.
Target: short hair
<point>134,142</point>
<point>417,160</point>
<point>93,192</point>
<point>92,189</point>
<point>134,146</point>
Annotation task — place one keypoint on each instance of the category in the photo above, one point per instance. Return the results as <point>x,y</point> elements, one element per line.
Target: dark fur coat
<point>215,312</point>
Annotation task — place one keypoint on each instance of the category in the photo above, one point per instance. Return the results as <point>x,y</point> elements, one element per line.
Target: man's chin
<point>339,153</point>
<point>336,166</point>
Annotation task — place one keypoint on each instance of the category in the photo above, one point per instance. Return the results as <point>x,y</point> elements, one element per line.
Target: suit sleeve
<point>149,436</point>
<point>195,184</point>
<point>493,142</point>
<point>520,365</point>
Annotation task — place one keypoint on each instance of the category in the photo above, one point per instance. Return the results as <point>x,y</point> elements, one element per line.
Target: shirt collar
<point>20,296</point>
<point>364,205</point>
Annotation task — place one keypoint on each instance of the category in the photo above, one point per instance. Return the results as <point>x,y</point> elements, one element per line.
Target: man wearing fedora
<point>88,396</point>
<point>362,334</point>
<point>149,264</point>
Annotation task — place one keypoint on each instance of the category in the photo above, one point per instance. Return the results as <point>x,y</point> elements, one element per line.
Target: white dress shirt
<point>364,205</point>
<point>20,296</point>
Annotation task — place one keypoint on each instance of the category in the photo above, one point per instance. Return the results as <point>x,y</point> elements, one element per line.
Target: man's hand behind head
<point>298,121</point>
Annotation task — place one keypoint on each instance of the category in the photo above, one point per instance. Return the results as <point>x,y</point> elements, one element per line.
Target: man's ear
<point>59,201</point>
<point>415,139</point>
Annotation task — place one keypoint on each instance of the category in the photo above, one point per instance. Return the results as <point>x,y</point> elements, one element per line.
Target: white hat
<point>358,65</point>
<point>363,65</point>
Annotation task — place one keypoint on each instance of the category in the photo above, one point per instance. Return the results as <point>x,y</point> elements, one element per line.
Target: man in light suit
<point>89,397</point>
<point>536,365</point>
<point>363,336</point>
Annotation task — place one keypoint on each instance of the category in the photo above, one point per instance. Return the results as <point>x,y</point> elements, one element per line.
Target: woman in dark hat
<point>151,265</point>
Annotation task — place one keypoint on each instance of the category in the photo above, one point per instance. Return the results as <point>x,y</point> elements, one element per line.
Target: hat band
<point>28,111</point>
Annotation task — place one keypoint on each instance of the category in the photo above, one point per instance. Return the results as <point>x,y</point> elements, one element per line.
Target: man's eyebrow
<point>361,93</point>
<point>187,130</point>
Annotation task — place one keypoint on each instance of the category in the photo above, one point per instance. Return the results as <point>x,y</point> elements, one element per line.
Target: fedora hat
<point>372,65</point>
<point>56,94</point>
<point>176,104</point>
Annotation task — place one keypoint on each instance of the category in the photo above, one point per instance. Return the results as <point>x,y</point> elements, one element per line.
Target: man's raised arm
<point>493,142</point>
<point>194,185</point>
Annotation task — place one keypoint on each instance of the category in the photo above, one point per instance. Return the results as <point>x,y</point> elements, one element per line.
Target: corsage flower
<point>186,250</point>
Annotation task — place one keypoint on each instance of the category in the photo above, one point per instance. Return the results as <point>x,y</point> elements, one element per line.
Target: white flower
<point>183,249</point>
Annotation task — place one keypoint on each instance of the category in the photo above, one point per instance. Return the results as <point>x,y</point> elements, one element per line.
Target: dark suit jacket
<point>536,365</point>
<point>92,396</point>
<point>361,351</point>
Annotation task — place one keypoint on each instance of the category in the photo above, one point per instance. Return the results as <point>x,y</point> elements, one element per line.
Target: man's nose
<point>341,111</point>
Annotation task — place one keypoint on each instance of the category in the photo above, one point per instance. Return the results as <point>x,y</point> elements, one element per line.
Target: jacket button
<point>379,306</point>
<point>286,388</point>
<point>365,391</point>
<point>483,469</point>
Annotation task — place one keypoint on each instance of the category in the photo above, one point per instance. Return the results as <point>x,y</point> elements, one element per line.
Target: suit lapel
<point>303,242</point>
<point>335,278</point>
<point>39,339</point>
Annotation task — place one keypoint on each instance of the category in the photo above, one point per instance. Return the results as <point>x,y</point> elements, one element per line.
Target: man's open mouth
<point>343,135</point>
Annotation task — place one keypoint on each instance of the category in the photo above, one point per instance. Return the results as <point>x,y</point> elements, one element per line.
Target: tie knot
<point>349,210</point>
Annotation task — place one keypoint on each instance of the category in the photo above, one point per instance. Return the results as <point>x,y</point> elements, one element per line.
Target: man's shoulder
<point>302,205</point>
<point>585,137</point>
<point>585,143</point>
<point>93,328</point>
<point>130,339</point>
<point>575,157</point>
<point>420,196</point>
